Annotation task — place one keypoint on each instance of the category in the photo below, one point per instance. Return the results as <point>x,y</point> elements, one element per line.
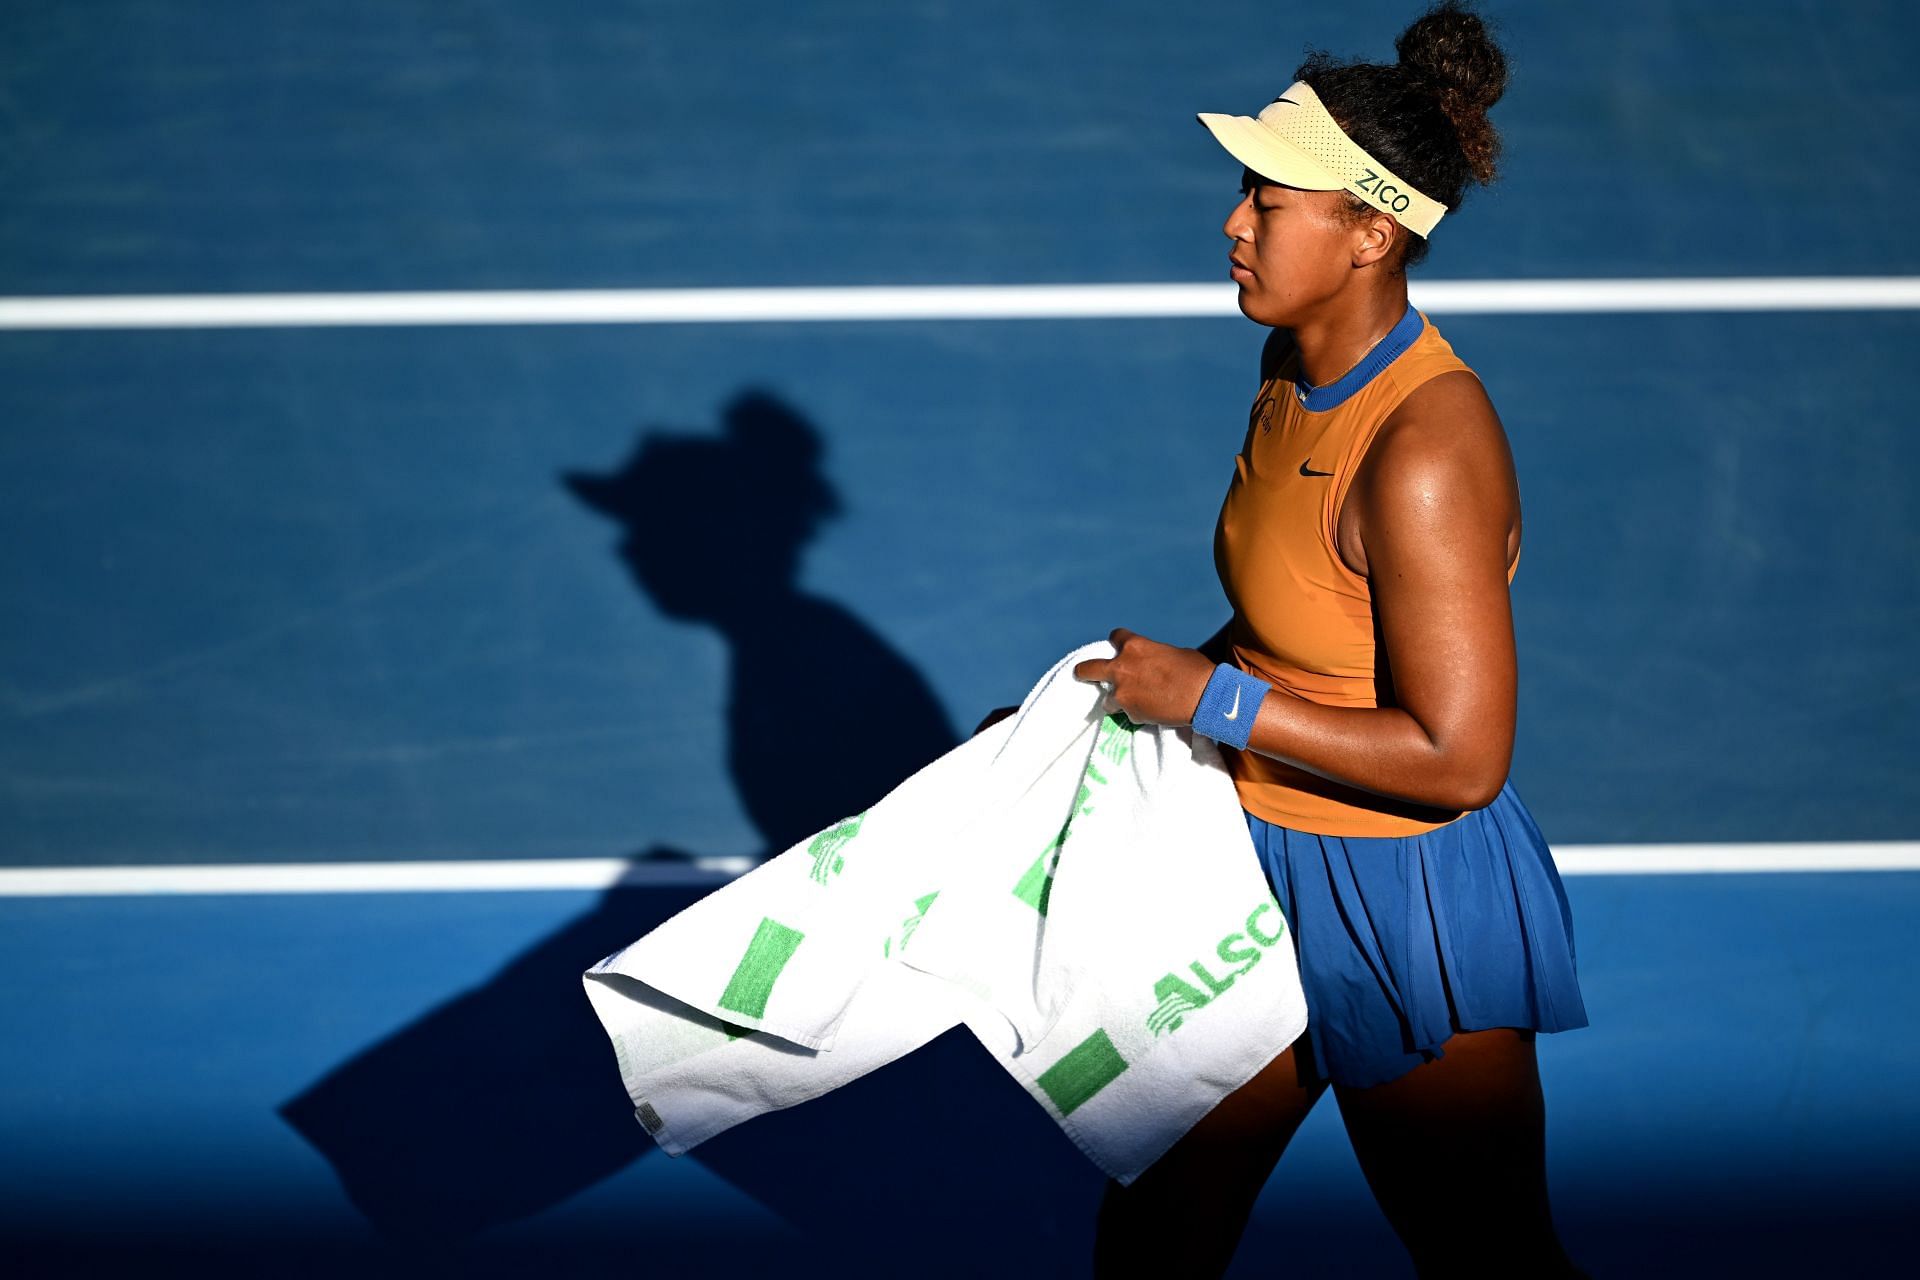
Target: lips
<point>1239,267</point>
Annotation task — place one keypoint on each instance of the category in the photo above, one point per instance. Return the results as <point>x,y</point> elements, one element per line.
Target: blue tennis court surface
<point>178,1069</point>
<point>305,595</point>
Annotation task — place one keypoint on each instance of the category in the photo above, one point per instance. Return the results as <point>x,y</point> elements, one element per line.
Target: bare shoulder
<point>1440,466</point>
<point>1445,423</point>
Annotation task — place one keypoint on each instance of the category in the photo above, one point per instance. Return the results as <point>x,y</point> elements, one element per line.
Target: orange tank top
<point>1302,620</point>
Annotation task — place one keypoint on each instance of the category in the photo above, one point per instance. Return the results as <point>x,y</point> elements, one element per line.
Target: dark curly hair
<point>1425,117</point>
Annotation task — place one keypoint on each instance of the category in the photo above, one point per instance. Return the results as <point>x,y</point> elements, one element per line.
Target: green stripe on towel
<point>1037,885</point>
<point>752,982</point>
<point>1085,1070</point>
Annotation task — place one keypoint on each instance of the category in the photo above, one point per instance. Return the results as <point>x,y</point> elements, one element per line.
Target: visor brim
<point>1267,154</point>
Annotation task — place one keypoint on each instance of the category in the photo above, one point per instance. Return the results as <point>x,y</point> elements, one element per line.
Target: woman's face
<point>1292,249</point>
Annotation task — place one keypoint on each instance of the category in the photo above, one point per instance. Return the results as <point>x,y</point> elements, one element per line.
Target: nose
<point>1239,224</point>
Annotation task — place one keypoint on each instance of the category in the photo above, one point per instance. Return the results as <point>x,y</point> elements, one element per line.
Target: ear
<point>1374,239</point>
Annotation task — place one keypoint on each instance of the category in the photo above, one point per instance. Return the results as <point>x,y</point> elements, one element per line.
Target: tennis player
<point>1364,694</point>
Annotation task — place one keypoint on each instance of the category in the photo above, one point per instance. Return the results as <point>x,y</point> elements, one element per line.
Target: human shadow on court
<point>506,1100</point>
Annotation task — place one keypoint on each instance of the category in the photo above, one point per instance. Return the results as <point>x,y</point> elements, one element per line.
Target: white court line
<point>916,302</point>
<point>365,877</point>
<point>1735,859</point>
<point>607,873</point>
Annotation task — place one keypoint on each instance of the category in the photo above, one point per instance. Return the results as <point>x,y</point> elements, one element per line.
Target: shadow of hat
<point>764,467</point>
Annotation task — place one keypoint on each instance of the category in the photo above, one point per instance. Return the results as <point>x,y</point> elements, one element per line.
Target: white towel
<point>1080,891</point>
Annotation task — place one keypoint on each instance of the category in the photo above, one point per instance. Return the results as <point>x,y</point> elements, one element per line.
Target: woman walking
<point>1364,693</point>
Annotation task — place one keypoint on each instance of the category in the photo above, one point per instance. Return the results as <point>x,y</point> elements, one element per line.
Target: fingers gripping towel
<point>1078,890</point>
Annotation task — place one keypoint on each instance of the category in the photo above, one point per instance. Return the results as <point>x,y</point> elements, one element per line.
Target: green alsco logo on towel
<point>826,847</point>
<point>1114,741</point>
<point>911,923</point>
<point>1116,737</point>
<point>1178,997</point>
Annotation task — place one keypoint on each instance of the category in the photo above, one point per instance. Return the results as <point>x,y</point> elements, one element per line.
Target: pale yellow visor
<point>1295,141</point>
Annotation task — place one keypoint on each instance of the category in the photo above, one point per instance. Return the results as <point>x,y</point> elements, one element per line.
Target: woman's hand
<point>1153,683</point>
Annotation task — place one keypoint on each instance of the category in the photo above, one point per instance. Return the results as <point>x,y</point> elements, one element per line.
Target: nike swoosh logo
<point>1305,471</point>
<point>1235,713</point>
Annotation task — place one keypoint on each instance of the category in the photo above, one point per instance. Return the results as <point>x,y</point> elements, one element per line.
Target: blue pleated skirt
<point>1405,940</point>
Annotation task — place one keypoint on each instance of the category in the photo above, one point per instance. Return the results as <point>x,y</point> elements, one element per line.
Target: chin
<point>1251,308</point>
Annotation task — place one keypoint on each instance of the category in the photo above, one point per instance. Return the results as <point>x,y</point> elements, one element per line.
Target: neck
<point>1338,338</point>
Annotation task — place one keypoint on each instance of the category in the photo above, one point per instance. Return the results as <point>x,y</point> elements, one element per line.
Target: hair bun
<point>1449,48</point>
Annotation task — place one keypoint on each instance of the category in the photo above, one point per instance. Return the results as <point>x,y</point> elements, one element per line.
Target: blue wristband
<point>1227,708</point>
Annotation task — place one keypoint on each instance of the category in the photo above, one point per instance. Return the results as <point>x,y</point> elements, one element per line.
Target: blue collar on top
<point>1398,339</point>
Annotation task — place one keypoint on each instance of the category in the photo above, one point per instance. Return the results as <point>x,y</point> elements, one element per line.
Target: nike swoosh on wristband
<point>1235,713</point>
